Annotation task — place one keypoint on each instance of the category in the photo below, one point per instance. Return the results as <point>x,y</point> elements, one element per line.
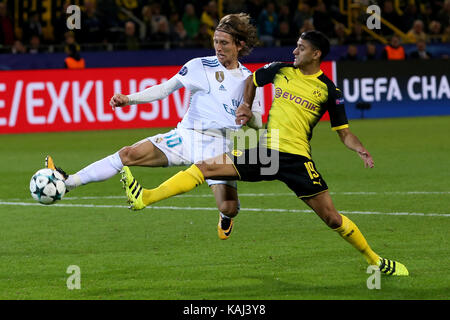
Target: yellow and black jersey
<point>299,103</point>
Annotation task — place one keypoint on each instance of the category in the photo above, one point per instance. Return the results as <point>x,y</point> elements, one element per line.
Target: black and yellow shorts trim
<point>298,172</point>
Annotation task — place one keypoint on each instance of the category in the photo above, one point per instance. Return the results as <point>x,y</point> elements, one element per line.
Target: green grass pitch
<point>278,249</point>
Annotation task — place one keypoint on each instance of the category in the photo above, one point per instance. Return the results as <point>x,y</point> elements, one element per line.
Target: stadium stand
<point>115,25</point>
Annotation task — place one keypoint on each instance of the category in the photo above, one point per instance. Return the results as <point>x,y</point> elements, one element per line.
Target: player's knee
<point>205,168</point>
<point>127,155</point>
<point>327,212</point>
<point>229,208</point>
<point>333,220</point>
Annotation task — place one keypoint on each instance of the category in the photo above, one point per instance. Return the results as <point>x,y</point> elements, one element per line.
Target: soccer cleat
<point>50,164</point>
<point>133,189</point>
<point>224,227</point>
<point>392,268</point>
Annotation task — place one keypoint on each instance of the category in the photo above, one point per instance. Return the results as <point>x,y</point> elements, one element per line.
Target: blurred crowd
<point>147,24</point>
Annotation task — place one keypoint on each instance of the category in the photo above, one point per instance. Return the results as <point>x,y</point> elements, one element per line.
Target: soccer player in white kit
<point>216,84</point>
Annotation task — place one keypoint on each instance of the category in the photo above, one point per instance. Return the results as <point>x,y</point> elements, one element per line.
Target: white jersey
<point>215,94</point>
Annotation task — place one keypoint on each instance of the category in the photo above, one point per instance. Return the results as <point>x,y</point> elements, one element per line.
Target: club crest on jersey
<point>317,93</point>
<point>220,76</point>
<point>183,71</point>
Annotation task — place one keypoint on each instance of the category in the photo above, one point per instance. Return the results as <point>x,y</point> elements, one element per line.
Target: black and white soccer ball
<point>47,186</point>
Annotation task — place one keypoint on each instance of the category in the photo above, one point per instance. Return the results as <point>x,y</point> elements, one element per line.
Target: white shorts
<point>185,147</point>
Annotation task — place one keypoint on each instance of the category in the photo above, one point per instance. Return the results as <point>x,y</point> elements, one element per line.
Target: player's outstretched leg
<point>133,189</point>
<point>182,182</point>
<point>349,231</point>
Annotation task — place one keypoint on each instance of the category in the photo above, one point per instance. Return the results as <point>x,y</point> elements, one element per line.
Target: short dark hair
<point>317,40</point>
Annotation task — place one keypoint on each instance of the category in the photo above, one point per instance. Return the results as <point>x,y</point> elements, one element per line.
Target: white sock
<point>224,216</point>
<point>72,182</point>
<point>227,217</point>
<point>100,170</point>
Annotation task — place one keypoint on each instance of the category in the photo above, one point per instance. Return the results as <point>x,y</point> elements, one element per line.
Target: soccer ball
<point>47,186</point>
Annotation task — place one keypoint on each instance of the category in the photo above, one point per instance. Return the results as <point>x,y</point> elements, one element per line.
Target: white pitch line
<point>391,192</point>
<point>75,205</point>
<point>258,195</point>
<point>280,194</point>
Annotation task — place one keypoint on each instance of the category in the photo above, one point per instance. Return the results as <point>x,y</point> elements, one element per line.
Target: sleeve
<point>336,109</point>
<point>256,121</point>
<point>257,102</point>
<point>266,74</point>
<point>157,92</point>
<point>193,76</point>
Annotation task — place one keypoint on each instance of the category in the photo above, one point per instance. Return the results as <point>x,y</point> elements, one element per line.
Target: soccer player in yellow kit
<point>302,95</point>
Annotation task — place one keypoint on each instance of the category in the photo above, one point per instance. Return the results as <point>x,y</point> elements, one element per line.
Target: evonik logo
<point>291,97</point>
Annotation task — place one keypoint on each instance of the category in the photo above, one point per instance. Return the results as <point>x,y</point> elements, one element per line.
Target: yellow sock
<point>182,182</point>
<point>350,232</point>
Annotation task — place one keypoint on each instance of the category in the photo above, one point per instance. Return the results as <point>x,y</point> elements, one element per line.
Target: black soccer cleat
<point>224,227</point>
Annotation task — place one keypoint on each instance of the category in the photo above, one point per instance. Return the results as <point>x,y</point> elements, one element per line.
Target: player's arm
<point>257,109</point>
<point>255,121</point>
<point>151,94</point>
<point>260,77</point>
<point>352,142</point>
<point>244,112</point>
<point>339,123</point>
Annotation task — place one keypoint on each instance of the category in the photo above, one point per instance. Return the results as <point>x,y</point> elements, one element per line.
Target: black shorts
<point>297,172</point>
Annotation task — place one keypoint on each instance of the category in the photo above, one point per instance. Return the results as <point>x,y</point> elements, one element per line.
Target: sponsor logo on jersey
<point>220,76</point>
<point>278,92</point>
<point>183,71</point>
<point>298,100</point>
<point>222,88</point>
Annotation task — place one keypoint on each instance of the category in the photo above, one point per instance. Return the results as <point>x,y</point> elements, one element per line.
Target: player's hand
<point>119,100</point>
<point>243,114</point>
<point>366,157</point>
